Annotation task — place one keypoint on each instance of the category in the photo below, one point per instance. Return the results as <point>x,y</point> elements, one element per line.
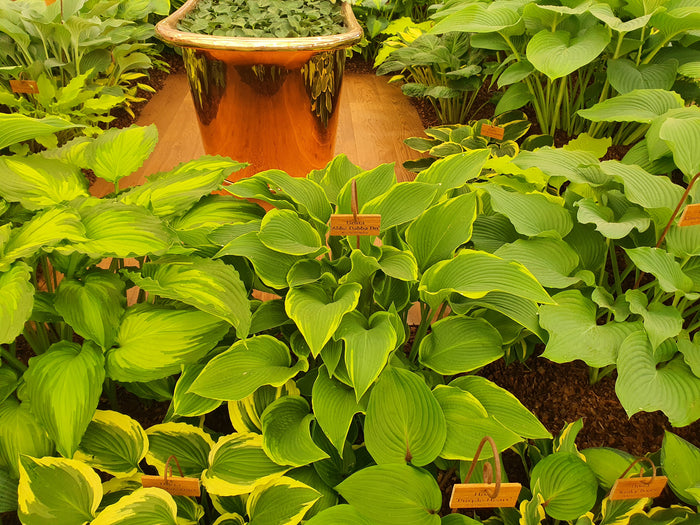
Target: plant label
<point>691,215</point>
<point>349,224</point>
<point>174,486</point>
<point>478,495</point>
<point>49,2</point>
<point>637,488</point>
<point>494,132</point>
<point>24,86</point>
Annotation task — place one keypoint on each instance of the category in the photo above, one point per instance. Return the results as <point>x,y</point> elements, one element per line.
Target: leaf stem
<point>12,360</point>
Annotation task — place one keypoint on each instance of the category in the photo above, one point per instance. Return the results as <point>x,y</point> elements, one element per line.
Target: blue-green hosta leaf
<point>17,301</point>
<point>188,404</point>
<point>189,444</point>
<point>589,212</point>
<point>641,386</point>
<point>532,214</point>
<point>93,306</point>
<point>17,127</point>
<point>308,195</point>
<point>566,483</point>
<point>370,184</point>
<point>117,153</point>
<point>144,505</point>
<point>460,344</point>
<point>625,76</point>
<point>368,344</point>
<point>20,433</point>
<point>398,264</point>
<point>681,135</point>
<point>550,260</point>
<point>113,443</point>
<point>479,18</point>
<point>286,433</point>
<point>640,105</point>
<point>238,464</point>
<point>343,514</point>
<point>467,423</point>
<point>285,232</point>
<point>316,314</point>
<point>579,166</point>
<point>557,54</point>
<point>608,464</point>
<point>402,203</point>
<point>681,461</point>
<point>209,285</point>
<point>441,229</point>
<point>390,494</point>
<point>183,336</point>
<point>36,182</point>
<point>64,387</point>
<point>404,421</point>
<point>660,321</point>
<point>246,366</point>
<point>663,266</point>
<point>57,489</point>
<point>643,188</point>
<point>455,170</point>
<point>284,501</point>
<point>574,334</point>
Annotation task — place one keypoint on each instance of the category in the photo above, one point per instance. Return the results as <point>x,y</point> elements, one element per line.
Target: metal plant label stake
<point>355,224</point>
<point>181,486</point>
<point>638,487</point>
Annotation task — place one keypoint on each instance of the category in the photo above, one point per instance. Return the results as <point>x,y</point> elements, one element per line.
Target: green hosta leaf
<point>187,404</point>
<point>643,188</point>
<point>460,344</point>
<point>64,387</point>
<point>579,166</point>
<point>93,306</point>
<point>641,386</point>
<point>402,203</point>
<point>685,17</point>
<point>183,336</point>
<point>410,430</point>
<point>238,465</point>
<point>209,285</point>
<point>584,142</point>
<point>117,153</point>
<point>246,366</point>
<point>370,184</point>
<point>285,232</point>
<point>660,321</point>
<point>8,383</point>
<point>441,229</point>
<point>640,105</point>
<point>340,515</point>
<point>390,494</point>
<point>625,76</point>
<point>691,354</point>
<point>8,492</point>
<point>113,443</point>
<point>604,218</point>
<point>316,314</point>
<point>20,433</point>
<point>454,171</point>
<point>574,334</point>
<point>143,506</point>
<point>681,461</point>
<point>335,176</point>
<point>60,490</point>
<point>682,242</point>
<point>515,73</point>
<point>550,260</point>
<point>467,423</point>
<point>245,414</point>
<point>663,266</point>
<point>362,268</point>
<point>17,301</point>
<point>398,264</point>
<point>306,193</point>
<point>557,54</point>
<point>515,97</point>
<point>189,444</point>
<point>17,128</point>
<point>681,135</point>
<point>368,344</point>
<point>284,501</point>
<point>608,464</point>
<point>478,18</point>
<point>566,483</point>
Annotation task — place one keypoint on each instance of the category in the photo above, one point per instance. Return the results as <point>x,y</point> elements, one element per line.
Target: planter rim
<point>167,31</point>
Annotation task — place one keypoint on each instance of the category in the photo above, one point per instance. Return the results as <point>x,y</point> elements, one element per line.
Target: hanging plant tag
<point>478,495</point>
<point>349,224</point>
<point>691,215</point>
<point>173,485</point>
<point>637,488</point>
<point>24,86</point>
<point>494,132</point>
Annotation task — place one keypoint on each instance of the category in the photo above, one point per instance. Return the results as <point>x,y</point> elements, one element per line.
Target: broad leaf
<point>681,461</point>
<point>589,212</point>
<point>640,105</point>
<point>625,76</point>
<point>643,188</point>
<point>682,135</point>
<point>455,170</point>
<point>285,232</point>
<point>8,492</point>
<point>17,128</point>
<point>663,266</point>
<point>608,464</point>
<point>17,301</point>
<point>550,260</point>
<point>186,403</point>
<point>189,444</point>
<point>402,203</point>
<point>479,18</point>
<point>557,54</point>
<point>577,166</point>
<point>284,501</point>
<point>342,514</point>
<point>307,194</point>
<point>20,434</point>
<point>660,321</point>
<point>117,153</point>
<point>144,505</point>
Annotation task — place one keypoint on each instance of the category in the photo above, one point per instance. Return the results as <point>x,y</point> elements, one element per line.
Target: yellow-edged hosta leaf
<point>284,501</point>
<point>245,414</point>
<point>17,301</point>
<point>20,434</point>
<point>189,444</point>
<point>145,506</point>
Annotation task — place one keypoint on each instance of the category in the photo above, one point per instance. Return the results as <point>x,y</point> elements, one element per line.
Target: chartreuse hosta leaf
<point>340,515</point>
<point>285,232</point>
<point>246,366</point>
<point>286,433</point>
<point>641,386</point>
<point>230,519</point>
<point>404,421</point>
<point>643,188</point>
<point>308,195</point>
<point>370,184</point>
<point>117,153</point>
<point>454,171</point>
<point>188,404</point>
<point>663,266</point>
<point>567,485</point>
<point>682,135</point>
<point>245,414</point>
<point>113,443</point>
<point>402,203</point>
<point>20,433</point>
<point>93,306</point>
<point>660,321</point>
<point>17,301</point>
<point>398,264</point>
<point>473,274</point>
<point>337,173</point>
<point>640,105</point>
<point>17,128</point>
<point>590,212</point>
<point>310,477</point>
<point>460,344</point>
<point>189,444</point>
<point>577,166</point>
<point>8,492</point>
<point>608,464</point>
<point>557,54</point>
<point>183,336</point>
<point>317,314</point>
<point>213,212</point>
<point>284,501</point>
<point>64,386</point>
<point>532,511</point>
<point>390,494</point>
<point>57,489</point>
<point>574,334</point>
<point>479,18</point>
<point>238,464</point>
<point>8,382</point>
<point>681,461</point>
<point>143,506</point>
<point>209,285</point>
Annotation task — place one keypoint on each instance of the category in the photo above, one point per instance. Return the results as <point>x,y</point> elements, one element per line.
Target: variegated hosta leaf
<point>182,336</point>
<point>246,366</point>
<point>64,387</point>
<point>285,232</point>
<point>317,314</point>
<point>238,465</point>
<point>209,285</point>
<point>641,386</point>
<point>454,171</point>
<point>577,166</point>
<point>643,188</point>
<point>574,333</point>
<point>283,501</point>
<point>663,266</point>
<point>189,444</point>
<point>245,414</point>
<point>144,505</point>
<point>411,430</point>
<point>681,461</point>
<point>619,512</point>
<point>557,54</point>
<point>230,519</point>
<point>532,511</point>
<point>17,128</point>
<point>93,306</point>
<point>20,434</point>
<point>16,303</point>
<point>117,153</point>
<point>390,494</point>
<point>608,464</point>
<point>113,443</point>
<point>589,212</point>
<point>61,490</point>
<point>660,321</point>
<point>188,404</point>
<point>342,514</point>
<point>640,105</point>
<point>189,512</point>
<point>402,203</point>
